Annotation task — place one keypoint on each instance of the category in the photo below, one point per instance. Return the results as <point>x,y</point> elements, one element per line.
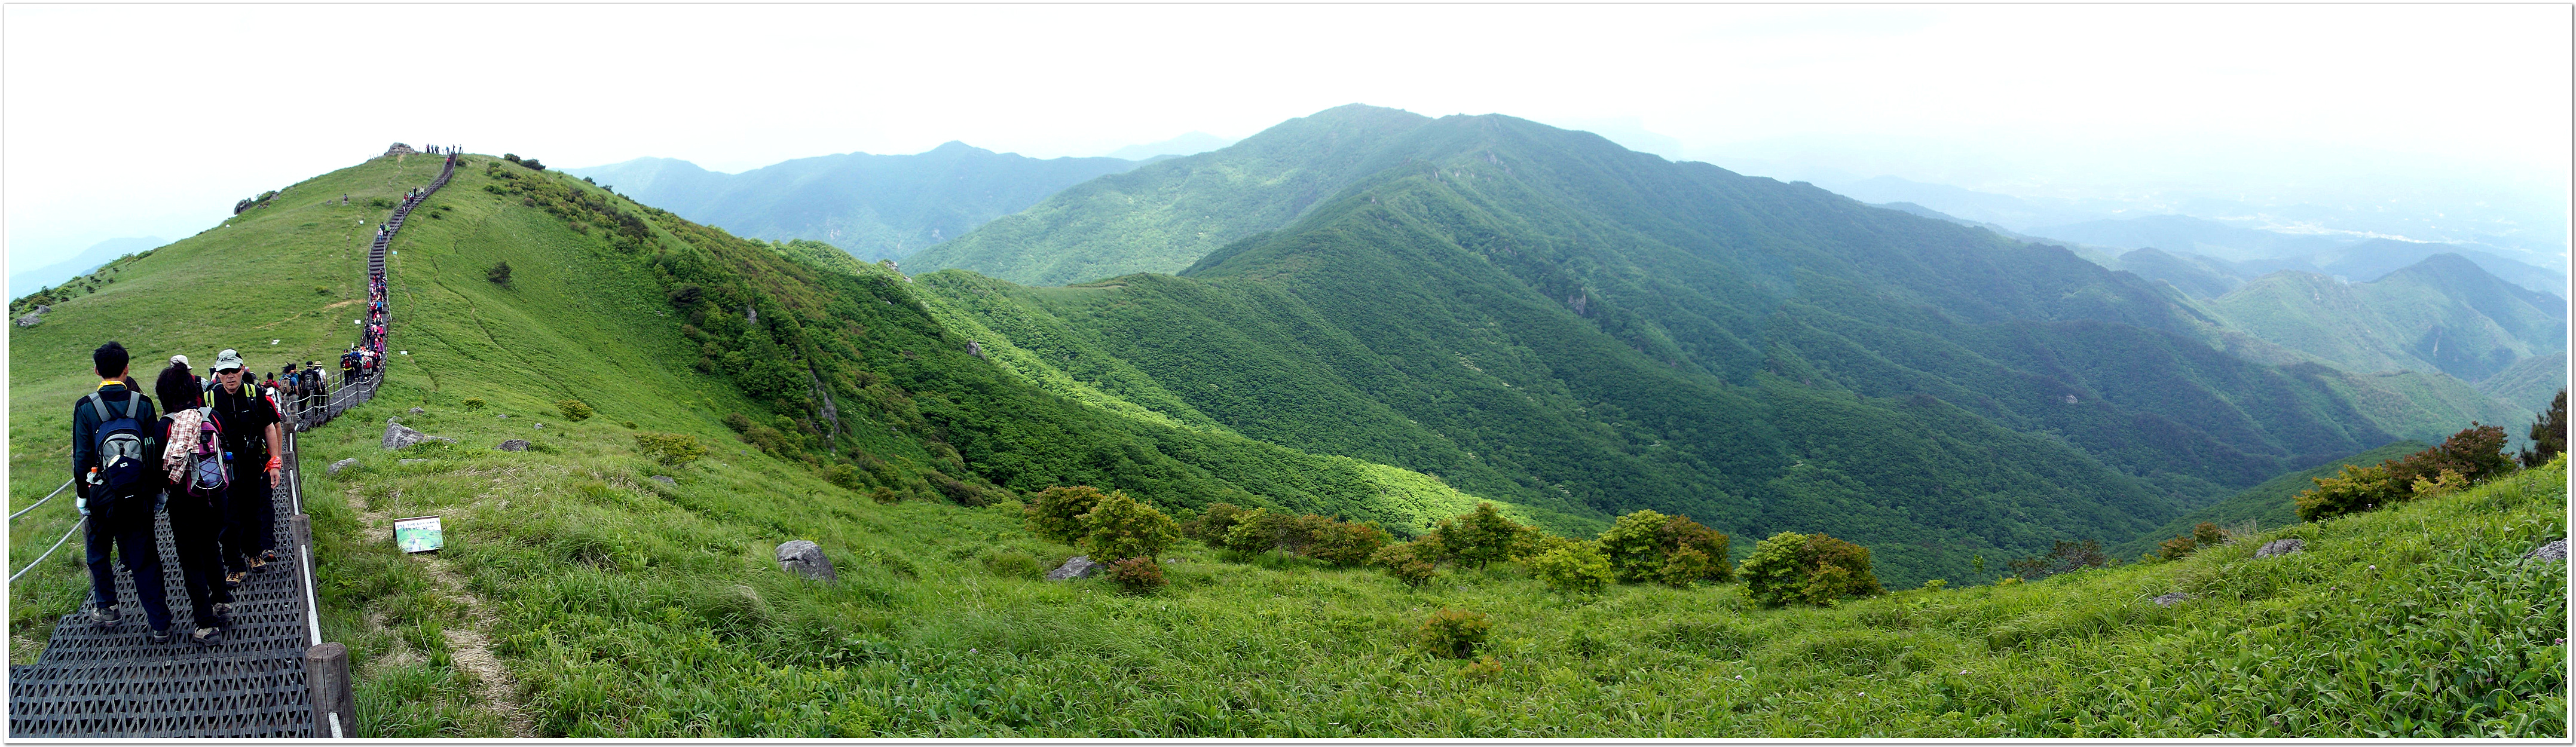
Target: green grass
<point>620,605</point>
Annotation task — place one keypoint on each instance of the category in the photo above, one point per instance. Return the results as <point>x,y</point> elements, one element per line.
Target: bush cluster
<point>1231,527</point>
<point>2067,556</point>
<point>2204,534</point>
<point>1812,568</point>
<point>2471,456</point>
<point>1649,546</point>
<point>1454,634</point>
<point>1111,526</point>
<point>672,449</point>
<point>574,410</point>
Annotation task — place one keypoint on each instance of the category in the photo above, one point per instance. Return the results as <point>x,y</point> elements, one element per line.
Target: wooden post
<point>335,700</point>
<point>301,526</point>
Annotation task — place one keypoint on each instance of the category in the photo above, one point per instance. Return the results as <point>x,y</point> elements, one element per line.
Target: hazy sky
<point>152,120</point>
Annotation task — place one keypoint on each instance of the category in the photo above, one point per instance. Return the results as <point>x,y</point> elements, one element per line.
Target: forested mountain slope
<point>874,206</point>
<point>1525,310</point>
<point>2443,314</point>
<point>1165,215</point>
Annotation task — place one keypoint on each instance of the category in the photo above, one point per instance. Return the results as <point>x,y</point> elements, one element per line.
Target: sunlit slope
<point>291,270</point>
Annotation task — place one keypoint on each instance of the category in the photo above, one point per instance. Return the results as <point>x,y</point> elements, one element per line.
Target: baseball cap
<point>228,360</point>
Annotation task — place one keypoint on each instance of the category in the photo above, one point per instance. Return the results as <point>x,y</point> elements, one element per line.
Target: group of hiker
<point>364,359</point>
<point>208,452</point>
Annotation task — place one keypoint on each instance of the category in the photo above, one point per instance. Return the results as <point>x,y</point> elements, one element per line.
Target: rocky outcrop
<point>515,444</point>
<point>2172,599</point>
<point>399,149</point>
<point>804,558</point>
<point>341,465</point>
<point>399,437</point>
<point>2555,551</point>
<point>1080,566</point>
<point>2281,547</point>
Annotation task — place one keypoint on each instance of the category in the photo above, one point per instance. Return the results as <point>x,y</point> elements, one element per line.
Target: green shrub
<point>2204,534</point>
<point>845,476</point>
<point>738,422</point>
<point>1649,546</point>
<point>1013,564</point>
<point>1347,543</point>
<point>473,403</point>
<point>960,493</point>
<point>1415,563</point>
<point>1212,524</point>
<point>672,449</point>
<point>322,290</point>
<point>1057,513</point>
<point>1137,575</point>
<point>1481,536</point>
<point>2355,489</point>
<point>499,273</point>
<point>1573,569</point>
<point>2067,556</point>
<point>630,425</point>
<point>2548,434</point>
<point>1454,634</point>
<point>574,410</point>
<point>1120,527</point>
<point>1812,568</point>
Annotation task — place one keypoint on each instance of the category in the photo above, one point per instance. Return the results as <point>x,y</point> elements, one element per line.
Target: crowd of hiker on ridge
<point>209,452</point>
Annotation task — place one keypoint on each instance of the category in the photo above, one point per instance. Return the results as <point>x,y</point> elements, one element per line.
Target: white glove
<point>82,503</point>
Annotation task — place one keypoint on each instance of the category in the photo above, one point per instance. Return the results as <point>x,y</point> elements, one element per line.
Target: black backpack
<point>117,468</point>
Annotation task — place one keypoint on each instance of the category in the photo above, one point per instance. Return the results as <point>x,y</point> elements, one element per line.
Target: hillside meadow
<point>591,590</point>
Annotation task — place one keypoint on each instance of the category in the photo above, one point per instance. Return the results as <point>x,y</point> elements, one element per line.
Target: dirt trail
<point>468,647</point>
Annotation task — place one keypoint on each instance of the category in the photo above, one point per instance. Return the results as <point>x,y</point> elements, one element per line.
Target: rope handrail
<point>67,484</point>
<point>49,552</point>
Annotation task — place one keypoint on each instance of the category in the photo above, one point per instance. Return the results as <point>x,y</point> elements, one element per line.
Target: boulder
<point>804,558</point>
<point>2281,547</point>
<point>30,320</point>
<point>416,411</point>
<point>515,444</point>
<point>397,436</point>
<point>2555,551</point>
<point>2169,600</point>
<point>341,465</point>
<point>666,479</point>
<point>541,426</point>
<point>1080,566</point>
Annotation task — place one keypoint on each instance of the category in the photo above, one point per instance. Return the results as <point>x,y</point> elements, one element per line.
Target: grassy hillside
<point>581,596</point>
<point>874,206</point>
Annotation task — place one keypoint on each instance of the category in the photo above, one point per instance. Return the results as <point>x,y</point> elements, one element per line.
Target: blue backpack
<point>118,446</point>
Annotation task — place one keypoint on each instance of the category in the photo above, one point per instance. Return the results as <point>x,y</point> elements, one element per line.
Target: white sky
<point>113,113</point>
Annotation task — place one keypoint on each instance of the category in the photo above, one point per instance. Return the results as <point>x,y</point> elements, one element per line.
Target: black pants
<point>250,511</point>
<point>196,531</point>
<point>128,530</point>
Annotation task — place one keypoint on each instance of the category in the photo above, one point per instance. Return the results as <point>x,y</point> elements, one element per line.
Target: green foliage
<point>2202,535</point>
<point>1057,512</point>
<point>1454,634</point>
<point>574,410</point>
<point>1347,543</point>
<point>322,290</point>
<point>2067,556</point>
<point>671,449</point>
<point>1415,563</point>
<point>2475,454</point>
<point>738,422</point>
<point>1645,545</point>
<point>1214,523</point>
<point>1811,568</point>
<point>2548,433</point>
<point>499,273</point>
<point>1478,537</point>
<point>1138,575</point>
<point>1573,569</point>
<point>1119,527</point>
<point>471,404</point>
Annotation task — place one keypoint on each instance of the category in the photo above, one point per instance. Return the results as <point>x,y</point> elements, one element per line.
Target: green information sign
<point>418,534</point>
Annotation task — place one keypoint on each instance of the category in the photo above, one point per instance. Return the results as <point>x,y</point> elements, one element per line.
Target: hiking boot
<point>268,556</point>
<point>233,580</point>
<point>104,617</point>
<point>206,636</point>
<point>157,637</point>
<point>223,614</point>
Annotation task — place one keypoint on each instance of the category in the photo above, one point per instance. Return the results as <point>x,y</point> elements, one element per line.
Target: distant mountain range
<point>23,282</point>
<point>1187,144</point>
<point>873,206</point>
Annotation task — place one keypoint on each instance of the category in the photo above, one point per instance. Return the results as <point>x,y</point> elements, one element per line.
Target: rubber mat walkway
<point>94,681</point>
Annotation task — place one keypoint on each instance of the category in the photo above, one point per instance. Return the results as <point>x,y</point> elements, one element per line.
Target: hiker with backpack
<point>195,476</point>
<point>113,447</point>
<point>250,431</point>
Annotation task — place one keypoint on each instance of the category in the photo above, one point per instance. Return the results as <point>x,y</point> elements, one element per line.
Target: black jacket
<point>85,422</point>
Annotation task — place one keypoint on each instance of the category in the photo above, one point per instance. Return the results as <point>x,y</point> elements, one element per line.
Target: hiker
<point>195,500</point>
<point>250,426</point>
<point>349,367</point>
<point>113,449</point>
